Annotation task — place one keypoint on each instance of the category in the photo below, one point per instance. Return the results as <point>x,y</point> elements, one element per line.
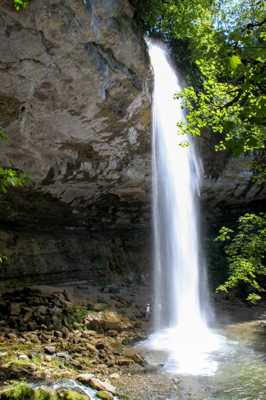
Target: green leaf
<point>234,62</point>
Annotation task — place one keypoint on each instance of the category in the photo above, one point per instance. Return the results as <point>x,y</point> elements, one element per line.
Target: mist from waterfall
<point>180,306</point>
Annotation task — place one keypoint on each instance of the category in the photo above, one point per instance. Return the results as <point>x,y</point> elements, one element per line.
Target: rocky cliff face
<point>228,185</point>
<point>75,102</point>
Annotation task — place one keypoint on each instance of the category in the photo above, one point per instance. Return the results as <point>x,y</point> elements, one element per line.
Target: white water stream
<point>181,297</point>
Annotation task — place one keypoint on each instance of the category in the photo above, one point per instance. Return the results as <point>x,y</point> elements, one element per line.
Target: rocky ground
<point>49,334</point>
<point>64,342</point>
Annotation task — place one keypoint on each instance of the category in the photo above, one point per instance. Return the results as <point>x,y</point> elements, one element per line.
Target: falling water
<point>179,309</point>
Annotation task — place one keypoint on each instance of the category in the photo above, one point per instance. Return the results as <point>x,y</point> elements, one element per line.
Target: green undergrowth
<point>77,314</point>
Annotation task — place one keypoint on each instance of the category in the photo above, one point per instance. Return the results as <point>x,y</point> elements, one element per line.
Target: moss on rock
<point>23,391</point>
<point>9,109</point>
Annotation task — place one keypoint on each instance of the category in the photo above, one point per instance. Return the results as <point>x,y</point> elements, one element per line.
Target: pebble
<point>47,358</point>
<point>50,349</point>
<point>23,357</point>
<point>115,375</point>
<point>64,355</point>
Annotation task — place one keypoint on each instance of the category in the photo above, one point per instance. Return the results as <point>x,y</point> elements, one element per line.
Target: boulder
<point>96,383</point>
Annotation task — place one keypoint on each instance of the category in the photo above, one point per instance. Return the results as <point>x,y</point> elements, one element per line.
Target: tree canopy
<point>226,40</point>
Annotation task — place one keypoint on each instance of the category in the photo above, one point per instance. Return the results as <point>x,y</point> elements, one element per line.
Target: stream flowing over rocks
<point>90,348</point>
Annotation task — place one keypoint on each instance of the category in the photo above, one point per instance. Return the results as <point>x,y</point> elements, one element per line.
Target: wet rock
<point>67,394</point>
<point>124,361</point>
<point>107,320</point>
<point>12,336</point>
<point>102,394</point>
<point>91,348</point>
<point>63,355</point>
<point>115,375</point>
<point>41,310</point>
<point>134,355</point>
<point>96,383</point>
<point>28,316</point>
<point>65,332</point>
<point>32,325</point>
<point>58,334</point>
<point>85,378</point>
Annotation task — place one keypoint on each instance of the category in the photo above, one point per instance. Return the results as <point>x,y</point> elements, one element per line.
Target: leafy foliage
<point>11,177</point>
<point>3,259</point>
<point>227,46</point>
<point>245,250</point>
<point>2,134</point>
<point>20,4</point>
<point>231,99</point>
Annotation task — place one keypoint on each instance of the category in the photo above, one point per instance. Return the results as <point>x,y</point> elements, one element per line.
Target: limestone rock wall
<point>102,258</point>
<point>228,185</point>
<point>75,102</point>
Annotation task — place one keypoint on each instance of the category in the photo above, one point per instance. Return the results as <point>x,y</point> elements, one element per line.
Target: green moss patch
<point>23,391</point>
<point>9,109</point>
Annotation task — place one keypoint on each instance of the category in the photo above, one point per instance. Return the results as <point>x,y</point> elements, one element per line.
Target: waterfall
<point>179,309</point>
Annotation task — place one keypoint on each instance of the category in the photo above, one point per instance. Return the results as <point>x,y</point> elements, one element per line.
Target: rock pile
<point>45,336</point>
<point>30,309</point>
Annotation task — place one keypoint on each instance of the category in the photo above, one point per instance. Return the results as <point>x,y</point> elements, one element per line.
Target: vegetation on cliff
<point>9,177</point>
<point>20,4</point>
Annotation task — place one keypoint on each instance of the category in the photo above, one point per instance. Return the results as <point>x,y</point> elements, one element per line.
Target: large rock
<point>75,102</point>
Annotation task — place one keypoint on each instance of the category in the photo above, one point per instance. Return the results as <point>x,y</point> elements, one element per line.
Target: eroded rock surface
<point>228,185</point>
<point>75,102</point>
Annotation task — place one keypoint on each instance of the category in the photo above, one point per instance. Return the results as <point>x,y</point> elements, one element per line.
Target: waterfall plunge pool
<point>240,371</point>
<point>188,359</point>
